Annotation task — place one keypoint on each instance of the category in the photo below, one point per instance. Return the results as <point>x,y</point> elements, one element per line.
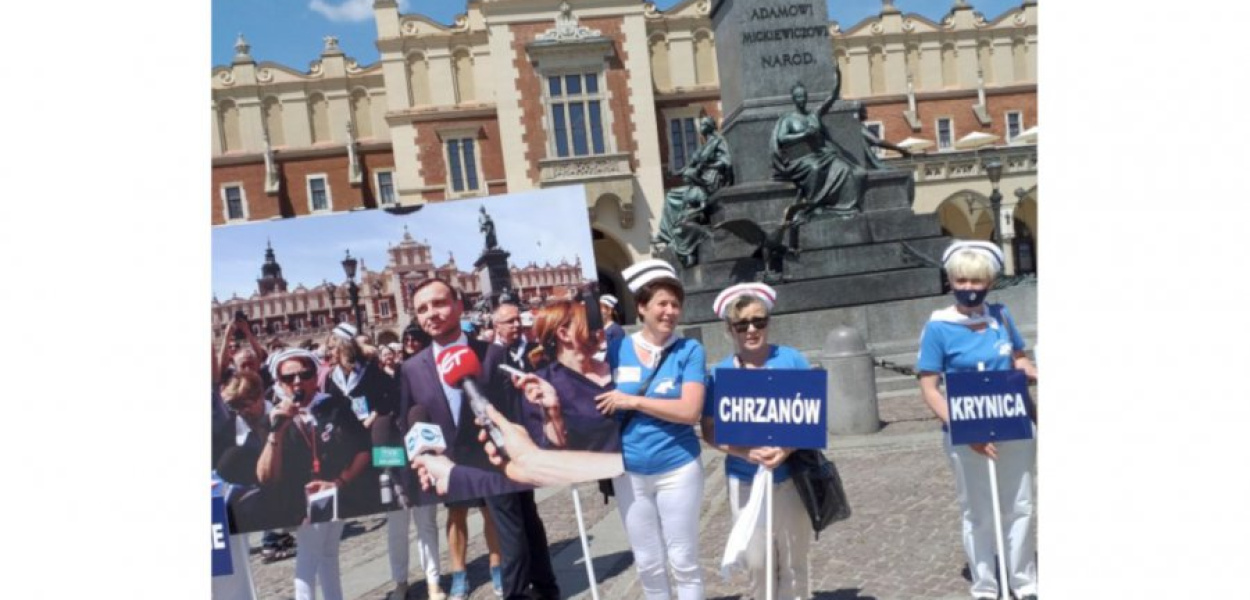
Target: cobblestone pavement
<point>901,542</point>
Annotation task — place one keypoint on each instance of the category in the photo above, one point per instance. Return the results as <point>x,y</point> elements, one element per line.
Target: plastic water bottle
<point>385,481</point>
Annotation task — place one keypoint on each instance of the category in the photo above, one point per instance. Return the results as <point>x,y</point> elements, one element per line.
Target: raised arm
<point>223,357</point>
<point>834,93</point>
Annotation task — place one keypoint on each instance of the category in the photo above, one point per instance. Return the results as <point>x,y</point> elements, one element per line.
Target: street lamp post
<point>994,170</point>
<point>330,289</point>
<point>349,267</point>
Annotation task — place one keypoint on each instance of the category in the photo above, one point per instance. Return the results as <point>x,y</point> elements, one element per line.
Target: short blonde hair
<point>972,265</point>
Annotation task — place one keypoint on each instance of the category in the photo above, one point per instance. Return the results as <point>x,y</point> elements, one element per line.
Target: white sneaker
<point>436,592</point>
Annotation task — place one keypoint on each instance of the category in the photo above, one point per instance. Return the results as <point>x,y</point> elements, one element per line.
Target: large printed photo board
<point>371,360</point>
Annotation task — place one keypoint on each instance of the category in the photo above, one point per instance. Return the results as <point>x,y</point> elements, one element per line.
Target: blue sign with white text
<point>988,406</point>
<point>770,407</point>
<point>221,539</point>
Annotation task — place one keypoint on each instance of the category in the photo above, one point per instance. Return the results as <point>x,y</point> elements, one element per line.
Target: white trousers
<point>427,541</point>
<point>237,585</point>
<point>792,537</point>
<point>1015,493</point>
<point>317,560</point>
<point>661,515</point>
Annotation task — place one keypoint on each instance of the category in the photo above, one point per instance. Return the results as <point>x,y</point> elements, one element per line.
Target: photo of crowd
<point>315,408</point>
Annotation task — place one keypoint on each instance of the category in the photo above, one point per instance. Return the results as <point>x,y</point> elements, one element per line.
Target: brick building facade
<point>523,94</point>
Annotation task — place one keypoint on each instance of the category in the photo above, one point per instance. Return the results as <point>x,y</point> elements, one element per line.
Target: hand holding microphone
<point>541,393</point>
<point>287,408</point>
<point>425,445</point>
<point>458,367</point>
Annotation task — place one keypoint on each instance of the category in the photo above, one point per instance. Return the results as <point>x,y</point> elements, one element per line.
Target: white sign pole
<point>768,535</point>
<point>581,529</point>
<point>1003,584</point>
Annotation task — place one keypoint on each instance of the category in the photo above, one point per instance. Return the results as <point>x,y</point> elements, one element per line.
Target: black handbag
<point>605,485</point>
<point>820,488</point>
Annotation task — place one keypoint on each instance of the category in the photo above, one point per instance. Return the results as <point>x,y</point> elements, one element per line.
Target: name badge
<point>360,406</point>
<point>628,374</point>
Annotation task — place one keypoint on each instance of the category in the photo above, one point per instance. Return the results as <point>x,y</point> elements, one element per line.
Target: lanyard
<point>311,439</point>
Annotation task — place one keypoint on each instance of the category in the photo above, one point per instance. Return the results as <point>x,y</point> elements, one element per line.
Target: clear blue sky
<point>540,226</point>
<point>290,32</point>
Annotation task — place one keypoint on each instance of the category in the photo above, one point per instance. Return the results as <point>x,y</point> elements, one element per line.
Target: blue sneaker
<point>496,580</point>
<point>459,586</point>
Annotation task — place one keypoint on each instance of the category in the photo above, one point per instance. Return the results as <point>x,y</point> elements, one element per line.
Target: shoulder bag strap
<point>646,383</point>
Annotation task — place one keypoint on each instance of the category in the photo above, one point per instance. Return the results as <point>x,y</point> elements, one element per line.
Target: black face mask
<point>970,298</point>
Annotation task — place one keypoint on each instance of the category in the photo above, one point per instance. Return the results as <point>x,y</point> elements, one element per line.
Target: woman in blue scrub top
<point>660,493</point>
<point>973,335</point>
<point>744,307</point>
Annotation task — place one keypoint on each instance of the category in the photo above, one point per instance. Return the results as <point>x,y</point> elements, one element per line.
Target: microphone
<point>458,368</point>
<point>424,437</point>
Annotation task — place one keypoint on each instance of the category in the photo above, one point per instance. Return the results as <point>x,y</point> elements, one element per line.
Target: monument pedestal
<point>491,268</point>
<point>841,262</point>
<point>867,258</point>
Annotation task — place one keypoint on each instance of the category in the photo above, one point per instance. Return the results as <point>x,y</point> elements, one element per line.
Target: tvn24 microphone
<point>424,437</point>
<point>458,367</point>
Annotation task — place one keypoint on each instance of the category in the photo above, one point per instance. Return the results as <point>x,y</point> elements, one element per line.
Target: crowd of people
<point>550,397</point>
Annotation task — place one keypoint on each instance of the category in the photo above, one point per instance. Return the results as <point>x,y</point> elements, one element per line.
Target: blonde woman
<point>745,308</point>
<point>973,335</point>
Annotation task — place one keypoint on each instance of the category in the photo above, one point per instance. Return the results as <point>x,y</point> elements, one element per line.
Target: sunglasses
<point>741,326</point>
<point>305,375</point>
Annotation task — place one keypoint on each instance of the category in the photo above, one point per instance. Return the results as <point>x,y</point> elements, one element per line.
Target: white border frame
<point>308,190</point>
<point>377,187</point>
<point>684,112</point>
<point>472,132</point>
<point>225,204</point>
<point>880,152</point>
<point>600,70</point>
<point>1007,125</point>
<point>937,134</point>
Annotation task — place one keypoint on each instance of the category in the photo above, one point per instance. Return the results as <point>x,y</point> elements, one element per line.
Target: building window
<point>319,199</point>
<point>683,140</point>
<point>877,129</point>
<point>462,164</point>
<point>385,308</point>
<point>234,202</point>
<point>945,134</point>
<point>576,114</point>
<point>1014,121</point>
<point>384,184</point>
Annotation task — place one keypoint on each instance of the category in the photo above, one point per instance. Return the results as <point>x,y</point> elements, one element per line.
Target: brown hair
<point>647,291</point>
<point>244,385</point>
<point>455,294</point>
<point>550,318</point>
<point>740,304</point>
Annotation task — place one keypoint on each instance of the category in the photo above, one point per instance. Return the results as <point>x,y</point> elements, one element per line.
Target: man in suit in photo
<point>463,471</point>
<point>507,321</point>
